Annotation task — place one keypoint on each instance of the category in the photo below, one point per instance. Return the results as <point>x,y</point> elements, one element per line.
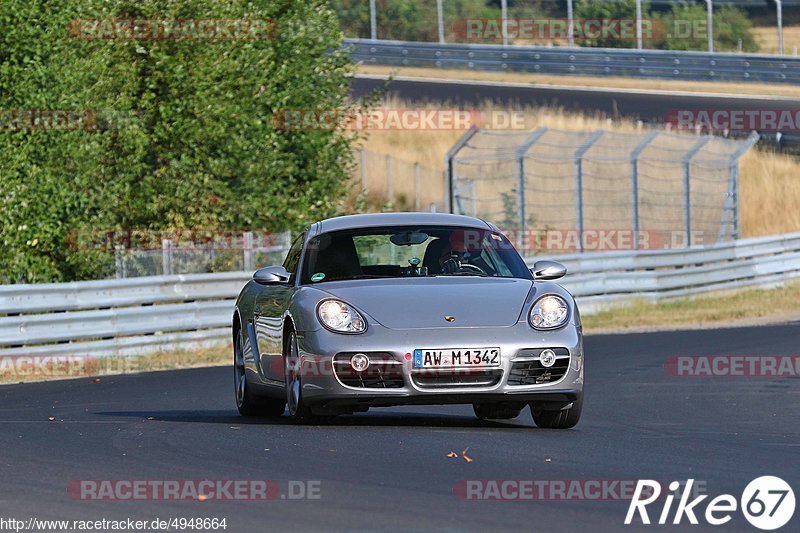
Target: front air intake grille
<point>527,370</point>
<point>457,378</point>
<point>384,371</point>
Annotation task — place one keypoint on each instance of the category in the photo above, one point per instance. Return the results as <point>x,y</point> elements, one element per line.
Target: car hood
<point>412,303</point>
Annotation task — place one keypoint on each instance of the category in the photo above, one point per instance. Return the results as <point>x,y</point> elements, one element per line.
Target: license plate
<point>457,358</point>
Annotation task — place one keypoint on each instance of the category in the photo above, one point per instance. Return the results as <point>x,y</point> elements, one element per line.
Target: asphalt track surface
<point>648,107</point>
<point>388,469</point>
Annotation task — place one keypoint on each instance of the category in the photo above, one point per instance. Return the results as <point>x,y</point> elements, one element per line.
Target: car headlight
<point>549,312</point>
<point>340,317</point>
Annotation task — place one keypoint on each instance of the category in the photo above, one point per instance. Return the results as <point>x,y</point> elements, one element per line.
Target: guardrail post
<point>687,186</point>
<point>579,153</point>
<point>521,209</point>
<point>650,137</point>
<point>449,178</point>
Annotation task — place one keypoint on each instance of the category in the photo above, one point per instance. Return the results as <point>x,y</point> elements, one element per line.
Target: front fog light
<point>359,362</point>
<point>549,312</point>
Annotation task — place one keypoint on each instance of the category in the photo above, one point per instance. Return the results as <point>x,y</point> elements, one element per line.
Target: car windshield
<point>410,252</point>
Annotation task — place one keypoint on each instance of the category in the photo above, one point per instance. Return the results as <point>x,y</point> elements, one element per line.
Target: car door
<point>268,316</point>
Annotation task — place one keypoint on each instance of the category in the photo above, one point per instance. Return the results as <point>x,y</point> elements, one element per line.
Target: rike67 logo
<point>767,503</point>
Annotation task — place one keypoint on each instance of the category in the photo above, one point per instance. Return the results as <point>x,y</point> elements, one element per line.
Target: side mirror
<point>272,275</point>
<point>545,270</point>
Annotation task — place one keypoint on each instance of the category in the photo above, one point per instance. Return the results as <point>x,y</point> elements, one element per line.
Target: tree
<point>185,136</point>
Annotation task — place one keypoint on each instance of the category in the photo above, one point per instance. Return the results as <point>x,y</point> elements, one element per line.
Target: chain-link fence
<point>600,190</point>
<point>237,251</point>
<point>403,185</point>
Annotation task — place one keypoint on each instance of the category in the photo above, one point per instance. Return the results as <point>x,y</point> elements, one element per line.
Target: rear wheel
<point>495,411</point>
<point>248,403</point>
<point>557,419</point>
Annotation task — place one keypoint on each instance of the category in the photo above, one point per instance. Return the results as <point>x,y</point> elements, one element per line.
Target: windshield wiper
<point>466,274</point>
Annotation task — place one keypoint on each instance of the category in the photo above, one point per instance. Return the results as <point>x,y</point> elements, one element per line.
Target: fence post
<point>570,24</point>
<point>440,20</point>
<point>687,186</point>
<point>650,137</point>
<point>779,5</point>
<point>734,182</point>
<point>416,187</point>
<point>449,178</point>
<point>247,241</point>
<point>639,24</point>
<point>373,26</point>
<point>579,153</point>
<point>521,205</point>
<point>389,188</point>
<point>363,169</point>
<point>119,261</point>
<point>166,256</point>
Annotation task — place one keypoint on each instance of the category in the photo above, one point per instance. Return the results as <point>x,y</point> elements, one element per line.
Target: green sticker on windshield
<point>319,276</point>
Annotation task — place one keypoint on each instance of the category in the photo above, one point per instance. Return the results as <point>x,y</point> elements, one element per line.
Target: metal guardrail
<point>139,315</point>
<point>661,64</point>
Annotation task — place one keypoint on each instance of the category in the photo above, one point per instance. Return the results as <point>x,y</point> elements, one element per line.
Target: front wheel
<point>247,403</point>
<point>299,412</point>
<point>561,419</point>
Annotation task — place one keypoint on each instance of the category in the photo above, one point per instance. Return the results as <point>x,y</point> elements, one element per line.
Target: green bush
<point>687,29</point>
<point>185,138</point>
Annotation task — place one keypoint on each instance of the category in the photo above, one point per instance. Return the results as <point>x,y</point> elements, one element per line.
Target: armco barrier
<point>139,315</point>
<point>662,64</point>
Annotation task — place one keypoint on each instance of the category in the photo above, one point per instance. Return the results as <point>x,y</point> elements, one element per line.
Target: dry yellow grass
<point>767,39</point>
<point>770,188</point>
<point>748,307</point>
<point>585,81</point>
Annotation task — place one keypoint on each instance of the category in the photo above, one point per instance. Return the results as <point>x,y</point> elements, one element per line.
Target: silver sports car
<point>407,308</point>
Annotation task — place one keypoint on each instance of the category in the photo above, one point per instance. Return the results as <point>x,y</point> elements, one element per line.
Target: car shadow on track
<point>361,420</point>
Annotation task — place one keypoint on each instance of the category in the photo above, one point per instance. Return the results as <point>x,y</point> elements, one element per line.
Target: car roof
<point>399,219</point>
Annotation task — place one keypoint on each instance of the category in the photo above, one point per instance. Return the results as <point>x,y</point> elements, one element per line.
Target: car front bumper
<point>323,385</point>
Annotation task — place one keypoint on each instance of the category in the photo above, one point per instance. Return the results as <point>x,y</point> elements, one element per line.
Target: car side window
<point>293,257</point>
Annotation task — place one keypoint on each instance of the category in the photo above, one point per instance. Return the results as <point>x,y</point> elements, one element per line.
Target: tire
<point>297,409</point>
<point>563,419</point>
<point>495,411</point>
<point>247,403</point>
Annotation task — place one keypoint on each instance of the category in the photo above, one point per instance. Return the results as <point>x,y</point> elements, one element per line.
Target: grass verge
<point>31,369</point>
<point>748,307</point>
<point>588,81</point>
